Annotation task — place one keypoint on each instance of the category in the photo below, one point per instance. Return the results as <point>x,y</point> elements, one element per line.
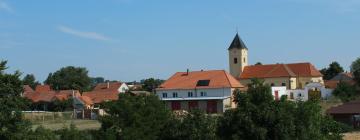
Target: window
<point>244,60</point>
<point>202,93</point>
<point>175,94</point>
<point>164,95</point>
<point>190,94</point>
<point>203,83</point>
<point>283,84</point>
<point>299,95</point>
<point>272,84</point>
<point>235,60</point>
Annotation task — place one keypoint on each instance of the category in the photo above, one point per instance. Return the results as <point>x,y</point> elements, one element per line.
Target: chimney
<point>187,71</point>
<point>108,84</point>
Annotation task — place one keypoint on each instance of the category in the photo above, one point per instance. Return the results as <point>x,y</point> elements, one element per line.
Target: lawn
<point>80,124</point>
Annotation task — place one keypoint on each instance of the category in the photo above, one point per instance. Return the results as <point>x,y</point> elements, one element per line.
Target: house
<point>348,113</point>
<point>341,77</point>
<point>43,95</point>
<point>106,92</point>
<point>210,91</point>
<point>311,90</point>
<point>292,76</point>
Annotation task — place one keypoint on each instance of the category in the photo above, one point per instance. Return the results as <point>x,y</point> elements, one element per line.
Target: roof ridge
<point>227,77</point>
<point>290,72</point>
<point>272,70</point>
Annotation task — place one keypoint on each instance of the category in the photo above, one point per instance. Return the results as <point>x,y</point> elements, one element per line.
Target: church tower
<point>238,59</point>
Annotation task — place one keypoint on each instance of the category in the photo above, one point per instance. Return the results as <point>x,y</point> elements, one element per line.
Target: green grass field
<point>80,124</point>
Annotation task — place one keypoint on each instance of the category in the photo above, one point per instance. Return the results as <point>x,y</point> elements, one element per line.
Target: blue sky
<point>134,39</point>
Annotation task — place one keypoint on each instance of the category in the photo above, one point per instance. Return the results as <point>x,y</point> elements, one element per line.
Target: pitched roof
<point>42,88</point>
<point>27,89</point>
<point>51,95</point>
<point>237,43</point>
<point>345,76</point>
<point>101,96</point>
<point>352,107</point>
<point>108,85</point>
<point>86,100</point>
<point>216,79</point>
<point>104,92</point>
<point>280,70</point>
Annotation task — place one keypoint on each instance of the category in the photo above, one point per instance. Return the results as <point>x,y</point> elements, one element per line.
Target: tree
<point>345,91</point>
<point>333,70</point>
<point>355,69</point>
<point>196,125</point>
<point>97,80</point>
<point>69,78</point>
<point>11,124</point>
<point>135,117</point>
<point>151,84</point>
<point>259,116</point>
<point>30,80</point>
<point>258,63</point>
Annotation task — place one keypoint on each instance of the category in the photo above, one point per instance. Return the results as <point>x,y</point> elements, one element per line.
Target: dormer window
<point>235,60</point>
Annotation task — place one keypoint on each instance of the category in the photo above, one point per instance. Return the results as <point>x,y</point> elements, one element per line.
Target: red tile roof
<point>184,80</point>
<point>27,89</point>
<point>104,92</point>
<point>42,88</point>
<point>280,70</point>
<point>51,95</point>
<point>110,85</point>
<point>86,100</point>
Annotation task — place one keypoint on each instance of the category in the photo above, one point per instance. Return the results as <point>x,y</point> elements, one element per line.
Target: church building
<point>293,75</point>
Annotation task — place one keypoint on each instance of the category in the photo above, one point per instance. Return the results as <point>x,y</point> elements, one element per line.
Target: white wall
<point>183,93</point>
<point>281,91</point>
<point>123,88</point>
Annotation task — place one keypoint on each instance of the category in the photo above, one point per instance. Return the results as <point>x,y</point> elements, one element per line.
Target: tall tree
<point>345,91</point>
<point>30,80</point>
<point>69,77</point>
<point>259,116</point>
<point>355,69</point>
<point>333,70</point>
<point>11,124</point>
<point>135,117</point>
<point>151,84</point>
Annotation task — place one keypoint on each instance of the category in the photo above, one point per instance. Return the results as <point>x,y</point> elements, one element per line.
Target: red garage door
<point>211,107</point>
<point>175,105</point>
<point>193,105</point>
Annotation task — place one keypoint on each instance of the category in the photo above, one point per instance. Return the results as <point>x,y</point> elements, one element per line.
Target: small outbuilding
<point>347,113</point>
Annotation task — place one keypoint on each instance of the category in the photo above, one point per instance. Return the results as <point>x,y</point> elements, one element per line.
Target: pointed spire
<point>237,43</point>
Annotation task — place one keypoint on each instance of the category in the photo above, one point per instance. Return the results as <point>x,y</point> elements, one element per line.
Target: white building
<point>210,91</point>
<point>302,94</point>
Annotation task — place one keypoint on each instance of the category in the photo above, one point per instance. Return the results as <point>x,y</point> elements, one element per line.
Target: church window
<point>235,60</point>
<point>244,60</point>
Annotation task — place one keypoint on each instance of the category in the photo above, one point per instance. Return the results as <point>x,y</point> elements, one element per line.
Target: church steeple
<point>238,58</point>
<point>237,43</point>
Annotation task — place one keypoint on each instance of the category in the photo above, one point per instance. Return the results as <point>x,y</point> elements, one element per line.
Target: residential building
<point>311,90</point>
<point>44,95</point>
<point>210,91</point>
<point>106,92</point>
<point>292,76</point>
<point>348,113</point>
<point>346,77</point>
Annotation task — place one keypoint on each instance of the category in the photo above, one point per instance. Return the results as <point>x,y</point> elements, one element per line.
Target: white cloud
<point>88,35</point>
<point>6,7</point>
